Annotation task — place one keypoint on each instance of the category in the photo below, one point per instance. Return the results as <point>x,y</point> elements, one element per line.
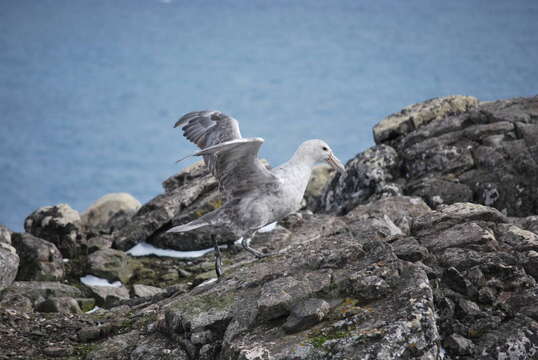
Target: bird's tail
<point>195,224</point>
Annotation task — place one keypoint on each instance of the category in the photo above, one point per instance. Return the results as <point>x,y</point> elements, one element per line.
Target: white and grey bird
<point>254,195</point>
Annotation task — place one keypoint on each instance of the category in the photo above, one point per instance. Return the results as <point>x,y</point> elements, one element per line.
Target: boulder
<point>66,305</point>
<point>110,212</point>
<point>58,224</point>
<point>109,296</point>
<point>24,295</point>
<point>305,314</point>
<point>448,150</point>
<point>5,235</point>
<point>39,259</point>
<point>414,116</point>
<point>459,345</point>
<point>110,264</point>
<point>98,243</point>
<point>371,175</point>
<point>140,290</point>
<point>188,194</point>
<point>9,264</point>
<point>37,290</point>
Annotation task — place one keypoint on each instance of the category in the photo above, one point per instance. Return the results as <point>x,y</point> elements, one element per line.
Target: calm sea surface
<point>89,90</point>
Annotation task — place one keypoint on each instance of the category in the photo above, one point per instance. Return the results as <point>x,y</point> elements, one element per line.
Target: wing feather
<point>233,160</point>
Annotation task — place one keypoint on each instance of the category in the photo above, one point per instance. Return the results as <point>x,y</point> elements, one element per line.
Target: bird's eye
<point>325,148</point>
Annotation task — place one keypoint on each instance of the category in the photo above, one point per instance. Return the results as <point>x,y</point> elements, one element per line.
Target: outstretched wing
<point>208,128</point>
<point>233,160</point>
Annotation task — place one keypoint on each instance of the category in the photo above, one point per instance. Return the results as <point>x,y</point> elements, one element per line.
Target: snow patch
<point>207,282</point>
<point>268,227</point>
<point>90,280</point>
<point>144,249</point>
<point>93,310</point>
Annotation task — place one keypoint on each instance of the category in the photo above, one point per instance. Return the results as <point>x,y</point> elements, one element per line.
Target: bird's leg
<point>218,259</point>
<point>244,244</point>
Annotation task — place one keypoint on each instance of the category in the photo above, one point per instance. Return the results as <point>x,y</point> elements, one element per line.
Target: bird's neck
<point>301,160</point>
<point>299,167</point>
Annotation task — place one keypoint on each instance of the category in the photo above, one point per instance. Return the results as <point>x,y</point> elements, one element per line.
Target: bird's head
<point>319,151</point>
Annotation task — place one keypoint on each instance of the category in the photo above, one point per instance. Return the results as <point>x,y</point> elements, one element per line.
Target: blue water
<point>89,90</point>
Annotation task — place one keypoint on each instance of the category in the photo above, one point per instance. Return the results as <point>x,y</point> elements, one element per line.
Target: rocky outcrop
<point>340,289</point>
<point>110,264</point>
<point>58,224</point>
<point>449,150</point>
<point>9,264</point>
<point>188,195</point>
<point>110,212</point>
<point>415,116</point>
<point>109,296</point>
<point>9,260</point>
<point>39,259</point>
<point>5,235</point>
<point>140,290</point>
<point>65,304</point>
<point>369,176</point>
<point>24,296</point>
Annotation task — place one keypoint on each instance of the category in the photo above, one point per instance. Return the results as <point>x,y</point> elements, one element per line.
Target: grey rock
<point>189,194</point>
<point>57,351</point>
<point>202,337</point>
<point>531,266</point>
<point>16,302</point>
<point>449,150</point>
<point>455,280</point>
<point>39,259</point>
<point>459,345</point>
<point>458,213</point>
<point>400,210</point>
<point>409,249</point>
<point>117,347</point>
<point>58,224</point>
<point>486,296</point>
<point>514,339</point>
<point>66,305</point>
<point>469,308</point>
<point>140,290</point>
<point>103,215</point>
<point>370,175</point>
<point>110,264</point>
<point>279,296</point>
<point>25,295</point>
<point>92,333</point>
<point>44,289</point>
<point>98,243</point>
<point>517,238</point>
<point>108,296</point>
<point>414,116</point>
<point>529,223</point>
<point>158,348</point>
<point>305,314</point>
<point>5,235</point>
<point>437,191</point>
<point>191,314</point>
<point>9,264</point>
<point>467,235</point>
